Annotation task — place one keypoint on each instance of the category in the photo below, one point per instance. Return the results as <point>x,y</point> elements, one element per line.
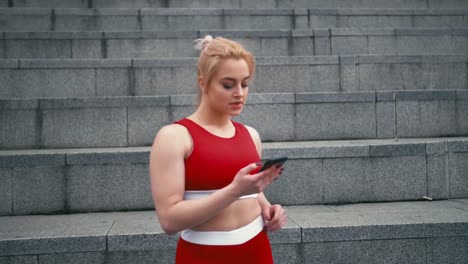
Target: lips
<point>237,105</point>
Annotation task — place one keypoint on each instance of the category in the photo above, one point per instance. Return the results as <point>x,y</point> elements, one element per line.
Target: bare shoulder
<point>174,135</point>
<point>255,137</point>
<point>253,133</point>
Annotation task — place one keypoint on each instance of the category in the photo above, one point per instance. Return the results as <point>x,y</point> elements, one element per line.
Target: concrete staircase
<point>368,98</point>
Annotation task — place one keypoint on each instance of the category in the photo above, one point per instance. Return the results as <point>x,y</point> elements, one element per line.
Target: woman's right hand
<point>245,183</point>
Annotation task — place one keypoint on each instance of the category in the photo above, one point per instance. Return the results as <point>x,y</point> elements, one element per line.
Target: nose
<point>239,90</point>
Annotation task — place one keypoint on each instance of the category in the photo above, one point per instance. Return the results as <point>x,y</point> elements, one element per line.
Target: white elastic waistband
<point>192,195</point>
<point>224,238</point>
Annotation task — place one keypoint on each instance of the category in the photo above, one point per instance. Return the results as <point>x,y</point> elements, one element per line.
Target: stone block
<point>31,158</point>
<point>91,127</point>
<point>53,3</point>
<point>437,177</point>
<point>322,46</point>
<point>126,4</point>
<point>274,122</point>
<point>154,80</point>
<point>447,4</point>
<point>345,180</point>
<point>396,178</point>
<point>143,257</point>
<point>382,45</point>
<point>40,83</point>
<point>18,260</point>
<point>38,190</point>
<point>458,174</point>
<point>337,252</point>
<point>411,76</point>
<point>148,48</point>
<point>300,183</point>
<point>354,97</point>
<point>450,250</point>
<point>95,20</point>
<point>439,20</point>
<point>323,78</point>
<point>426,45</point>
<point>20,128</point>
<point>392,150</point>
<point>25,20</point>
<point>290,233</point>
<point>38,48</point>
<point>335,120</point>
<point>108,187</point>
<point>349,45</point>
<point>181,21</point>
<point>455,145</point>
<point>363,21</point>
<point>282,78</point>
<point>349,74</point>
<point>87,48</point>
<point>73,258</point>
<point>254,21</point>
<point>385,116</point>
<point>301,18</point>
<point>113,82</point>
<point>275,47</point>
<point>375,179</point>
<point>425,118</point>
<point>436,147</point>
<point>287,253</point>
<point>462,116</point>
<point>179,112</point>
<point>323,21</point>
<point>6,206</point>
<point>108,156</point>
<point>44,234</point>
<point>144,123</point>
<point>138,231</point>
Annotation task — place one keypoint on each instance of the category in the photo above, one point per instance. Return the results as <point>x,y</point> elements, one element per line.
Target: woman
<point>204,168</point>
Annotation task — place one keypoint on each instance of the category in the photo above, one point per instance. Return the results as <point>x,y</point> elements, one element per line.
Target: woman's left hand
<point>275,217</point>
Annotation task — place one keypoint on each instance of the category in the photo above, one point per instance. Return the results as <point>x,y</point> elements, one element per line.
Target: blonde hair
<point>214,50</point>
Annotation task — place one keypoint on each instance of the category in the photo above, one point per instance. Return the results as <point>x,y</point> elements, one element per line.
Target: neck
<point>206,116</point>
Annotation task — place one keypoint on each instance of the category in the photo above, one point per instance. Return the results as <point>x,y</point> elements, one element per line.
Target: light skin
<point>222,98</point>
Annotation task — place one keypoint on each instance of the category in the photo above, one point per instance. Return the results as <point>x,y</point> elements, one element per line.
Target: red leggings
<point>255,251</point>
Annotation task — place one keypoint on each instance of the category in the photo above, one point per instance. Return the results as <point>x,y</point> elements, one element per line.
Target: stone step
<point>176,19</point>
<point>133,121</point>
<point>177,44</point>
<point>400,232</point>
<point>318,172</point>
<point>52,78</point>
<point>238,3</point>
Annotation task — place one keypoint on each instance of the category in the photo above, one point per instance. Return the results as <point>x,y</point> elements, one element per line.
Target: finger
<point>249,168</point>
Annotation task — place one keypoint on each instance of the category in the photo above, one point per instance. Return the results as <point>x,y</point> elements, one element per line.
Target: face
<point>228,89</point>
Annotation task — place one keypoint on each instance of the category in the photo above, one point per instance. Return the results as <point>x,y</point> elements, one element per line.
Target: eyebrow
<point>233,79</point>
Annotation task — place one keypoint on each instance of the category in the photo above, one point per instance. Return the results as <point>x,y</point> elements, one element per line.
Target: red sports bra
<point>215,161</point>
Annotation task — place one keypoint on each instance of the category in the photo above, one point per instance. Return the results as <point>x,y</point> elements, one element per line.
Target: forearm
<point>187,214</point>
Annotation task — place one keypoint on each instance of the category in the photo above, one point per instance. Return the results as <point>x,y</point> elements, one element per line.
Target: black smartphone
<point>274,161</point>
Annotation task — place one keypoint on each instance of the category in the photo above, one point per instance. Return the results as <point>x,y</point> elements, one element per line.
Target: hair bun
<point>201,43</point>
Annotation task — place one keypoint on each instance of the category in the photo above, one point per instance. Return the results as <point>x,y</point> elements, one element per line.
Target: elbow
<point>167,225</point>
<point>169,228</point>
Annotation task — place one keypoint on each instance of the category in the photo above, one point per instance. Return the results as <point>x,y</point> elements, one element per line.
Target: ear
<point>201,85</point>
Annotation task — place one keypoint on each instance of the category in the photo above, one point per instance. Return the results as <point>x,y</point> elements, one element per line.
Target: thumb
<point>266,214</point>
<point>249,168</point>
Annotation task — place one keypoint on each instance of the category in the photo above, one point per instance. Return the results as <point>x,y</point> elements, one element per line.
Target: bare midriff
<point>238,214</point>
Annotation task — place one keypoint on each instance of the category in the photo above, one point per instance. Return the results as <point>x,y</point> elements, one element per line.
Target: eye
<point>245,85</point>
<point>227,86</point>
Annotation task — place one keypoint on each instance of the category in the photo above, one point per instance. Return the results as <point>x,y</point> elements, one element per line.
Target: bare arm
<point>167,172</point>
